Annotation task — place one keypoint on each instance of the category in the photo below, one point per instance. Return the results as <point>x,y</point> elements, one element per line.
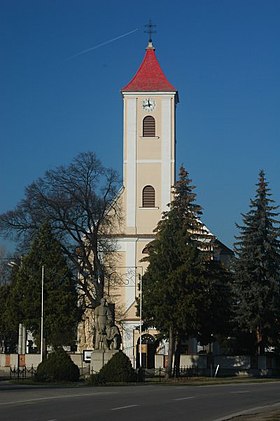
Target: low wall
<point>226,365</point>
<point>199,361</point>
<point>244,365</point>
<point>19,360</point>
<point>241,362</point>
<point>32,360</point>
<point>220,364</point>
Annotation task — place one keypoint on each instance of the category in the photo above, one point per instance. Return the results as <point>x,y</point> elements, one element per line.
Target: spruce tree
<point>8,326</point>
<point>257,270</point>
<point>60,295</point>
<point>180,287</point>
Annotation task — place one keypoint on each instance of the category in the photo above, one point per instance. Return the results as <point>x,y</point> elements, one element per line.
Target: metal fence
<point>22,372</point>
<point>184,371</point>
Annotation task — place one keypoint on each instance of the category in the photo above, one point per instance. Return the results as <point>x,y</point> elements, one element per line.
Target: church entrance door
<point>148,350</point>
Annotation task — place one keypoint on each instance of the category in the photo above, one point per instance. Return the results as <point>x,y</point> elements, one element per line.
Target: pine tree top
<point>260,223</point>
<point>185,213</point>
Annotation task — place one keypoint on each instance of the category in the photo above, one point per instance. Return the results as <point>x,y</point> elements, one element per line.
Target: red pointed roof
<point>149,77</point>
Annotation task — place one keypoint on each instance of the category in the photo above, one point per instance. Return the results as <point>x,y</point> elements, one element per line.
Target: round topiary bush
<point>118,369</point>
<point>57,367</point>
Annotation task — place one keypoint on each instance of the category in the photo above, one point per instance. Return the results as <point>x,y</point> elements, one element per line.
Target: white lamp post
<point>42,312</point>
<point>140,315</point>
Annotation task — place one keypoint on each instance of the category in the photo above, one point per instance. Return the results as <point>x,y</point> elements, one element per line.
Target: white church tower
<point>149,137</point>
<point>149,145</point>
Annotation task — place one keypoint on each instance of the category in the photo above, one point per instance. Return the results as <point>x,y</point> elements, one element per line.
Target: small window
<point>148,197</point>
<point>149,126</point>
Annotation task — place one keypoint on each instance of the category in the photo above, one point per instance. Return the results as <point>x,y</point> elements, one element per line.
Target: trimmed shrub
<point>118,369</point>
<point>57,367</point>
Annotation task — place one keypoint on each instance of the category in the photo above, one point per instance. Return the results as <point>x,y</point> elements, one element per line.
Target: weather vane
<point>150,29</point>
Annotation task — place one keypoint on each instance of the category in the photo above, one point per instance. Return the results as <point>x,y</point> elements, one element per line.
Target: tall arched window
<point>148,197</point>
<point>149,126</point>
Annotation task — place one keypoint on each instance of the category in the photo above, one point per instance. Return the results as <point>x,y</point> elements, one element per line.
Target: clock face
<point>148,104</point>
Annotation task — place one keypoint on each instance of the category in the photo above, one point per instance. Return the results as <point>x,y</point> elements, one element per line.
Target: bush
<point>96,380</point>
<point>57,367</point>
<point>117,369</point>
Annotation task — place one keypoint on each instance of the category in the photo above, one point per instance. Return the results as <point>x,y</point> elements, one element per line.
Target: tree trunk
<point>170,353</point>
<point>177,357</point>
<point>260,341</point>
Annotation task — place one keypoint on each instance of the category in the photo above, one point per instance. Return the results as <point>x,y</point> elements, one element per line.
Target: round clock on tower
<point>148,104</point>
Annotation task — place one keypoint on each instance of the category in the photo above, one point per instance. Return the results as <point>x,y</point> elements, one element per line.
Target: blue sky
<point>222,56</point>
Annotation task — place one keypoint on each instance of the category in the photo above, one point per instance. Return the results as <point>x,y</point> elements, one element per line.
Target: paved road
<point>143,402</point>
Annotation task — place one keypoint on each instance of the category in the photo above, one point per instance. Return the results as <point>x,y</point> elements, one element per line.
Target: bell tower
<point>148,145</point>
<point>149,117</point>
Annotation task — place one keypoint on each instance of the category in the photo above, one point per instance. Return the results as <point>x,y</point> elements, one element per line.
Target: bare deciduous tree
<point>79,202</point>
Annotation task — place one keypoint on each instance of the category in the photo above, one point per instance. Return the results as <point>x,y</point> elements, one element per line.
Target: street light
<point>42,311</point>
<point>13,262</point>
<point>16,262</point>
<point>140,315</point>
<point>21,335</point>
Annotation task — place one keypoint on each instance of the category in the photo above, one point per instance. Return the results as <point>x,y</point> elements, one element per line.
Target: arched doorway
<point>148,348</point>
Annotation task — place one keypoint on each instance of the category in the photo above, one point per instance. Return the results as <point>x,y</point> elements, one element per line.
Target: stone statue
<point>113,336</point>
<point>85,332</point>
<point>103,316</point>
<point>107,334</point>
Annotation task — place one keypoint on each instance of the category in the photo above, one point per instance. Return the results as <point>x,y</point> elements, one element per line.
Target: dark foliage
<point>8,326</point>
<point>57,367</point>
<point>185,291</point>
<point>118,369</point>
<point>96,379</point>
<point>257,271</point>
<point>45,260</point>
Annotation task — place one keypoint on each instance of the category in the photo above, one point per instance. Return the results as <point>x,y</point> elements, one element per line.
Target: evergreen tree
<point>59,291</point>
<point>8,327</point>
<point>8,322</point>
<point>257,270</point>
<point>181,286</point>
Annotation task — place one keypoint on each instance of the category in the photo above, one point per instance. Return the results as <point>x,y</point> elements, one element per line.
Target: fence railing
<point>144,373</point>
<point>183,371</point>
<point>22,372</point>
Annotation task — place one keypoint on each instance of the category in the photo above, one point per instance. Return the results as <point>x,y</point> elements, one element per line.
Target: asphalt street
<point>140,402</point>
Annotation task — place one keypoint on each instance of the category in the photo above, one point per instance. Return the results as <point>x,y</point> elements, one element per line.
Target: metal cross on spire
<point>150,29</point>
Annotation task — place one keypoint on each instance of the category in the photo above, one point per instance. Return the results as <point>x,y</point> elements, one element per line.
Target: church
<point>149,166</point>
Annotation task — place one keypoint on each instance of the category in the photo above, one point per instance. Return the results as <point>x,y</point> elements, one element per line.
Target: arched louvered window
<point>149,126</point>
<point>148,197</point>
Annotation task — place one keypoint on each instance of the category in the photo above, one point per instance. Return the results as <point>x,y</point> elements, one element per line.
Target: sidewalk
<point>265,415</point>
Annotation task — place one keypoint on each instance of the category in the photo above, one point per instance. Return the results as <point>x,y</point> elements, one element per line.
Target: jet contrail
<point>101,45</point>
